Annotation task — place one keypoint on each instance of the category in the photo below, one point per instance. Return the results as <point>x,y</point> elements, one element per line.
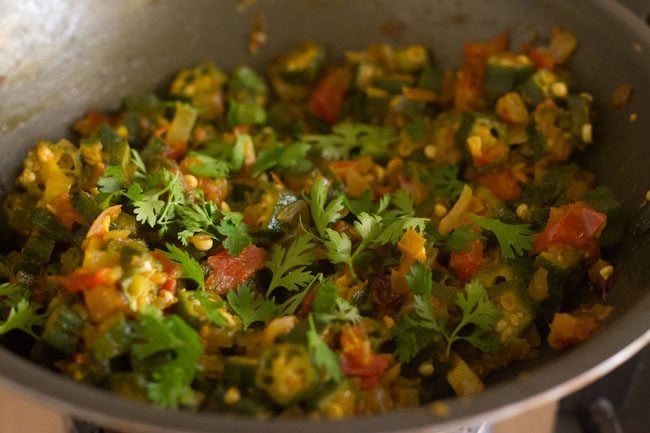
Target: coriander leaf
<point>11,294</point>
<point>460,239</point>
<point>322,356</point>
<point>23,316</point>
<point>196,218</point>
<point>409,339</point>
<point>403,200</point>
<point>479,311</point>
<point>348,137</point>
<point>267,159</point>
<point>134,192</point>
<point>343,311</point>
<point>238,152</point>
<point>419,279</point>
<point>326,296</point>
<point>290,306</point>
<point>281,156</point>
<point>207,166</point>
<point>147,209</point>
<point>288,265</point>
<point>148,206</point>
<point>393,231</point>
<point>250,306</point>
<point>212,309</point>
<point>444,181</point>
<point>140,167</point>
<point>368,226</point>
<point>329,306</point>
<point>427,318</point>
<point>384,202</point>
<point>362,204</point>
<point>169,386</point>
<point>171,382</point>
<point>232,226</point>
<point>322,213</point>
<point>191,268</point>
<point>375,141</point>
<point>476,306</point>
<point>365,204</point>
<point>338,247</point>
<point>112,179</point>
<point>513,239</point>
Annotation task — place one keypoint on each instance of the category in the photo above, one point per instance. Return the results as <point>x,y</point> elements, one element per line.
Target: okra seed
<point>633,117</point>
<point>440,210</point>
<point>522,211</point>
<point>191,181</point>
<point>587,133</point>
<point>122,131</point>
<point>426,369</point>
<point>389,322</point>
<point>647,195</point>
<point>202,242</point>
<point>606,272</point>
<point>29,176</point>
<point>430,151</point>
<point>231,396</point>
<point>559,89</point>
<point>44,154</point>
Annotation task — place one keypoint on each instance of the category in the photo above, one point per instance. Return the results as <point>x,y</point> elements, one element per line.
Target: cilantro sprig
<point>323,213</point>
<point>288,265</point>
<point>191,268</point>
<point>348,138</point>
<point>250,306</point>
<point>23,314</point>
<point>322,356</point>
<point>329,306</point>
<point>155,203</point>
<point>478,317</point>
<point>513,239</point>
<point>170,383</point>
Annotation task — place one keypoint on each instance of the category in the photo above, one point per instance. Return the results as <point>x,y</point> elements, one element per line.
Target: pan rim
<point>632,332</point>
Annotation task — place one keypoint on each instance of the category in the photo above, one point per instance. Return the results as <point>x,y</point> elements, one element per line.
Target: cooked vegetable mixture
<point>326,239</point>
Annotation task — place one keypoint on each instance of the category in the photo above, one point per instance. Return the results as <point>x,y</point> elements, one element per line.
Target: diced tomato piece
<point>575,225</point>
<point>542,58</point>
<point>369,373</point>
<point>173,269</point>
<point>228,272</point>
<point>477,53</point>
<point>175,150</point>
<point>325,101</point>
<point>502,183</point>
<point>83,279</point>
<point>358,359</point>
<point>61,207</point>
<point>469,86</point>
<point>466,264</point>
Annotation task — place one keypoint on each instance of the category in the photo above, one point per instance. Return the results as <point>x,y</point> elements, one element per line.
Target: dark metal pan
<point>61,57</point>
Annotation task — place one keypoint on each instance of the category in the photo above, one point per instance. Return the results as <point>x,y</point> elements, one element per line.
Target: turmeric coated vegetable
<point>345,238</point>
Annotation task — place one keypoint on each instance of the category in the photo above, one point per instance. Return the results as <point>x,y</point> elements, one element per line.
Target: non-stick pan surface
<point>62,57</point>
